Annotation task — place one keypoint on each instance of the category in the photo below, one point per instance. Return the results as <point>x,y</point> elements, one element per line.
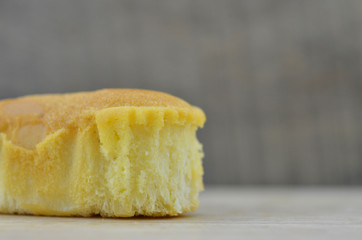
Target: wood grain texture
<point>280,81</point>
<point>225,213</point>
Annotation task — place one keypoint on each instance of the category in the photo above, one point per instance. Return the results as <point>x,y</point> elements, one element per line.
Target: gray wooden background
<point>280,80</point>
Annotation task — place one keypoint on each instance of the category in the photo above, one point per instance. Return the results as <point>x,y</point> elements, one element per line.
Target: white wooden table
<point>225,213</point>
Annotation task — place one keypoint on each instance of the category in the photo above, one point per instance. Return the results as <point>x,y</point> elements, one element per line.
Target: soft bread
<point>114,152</point>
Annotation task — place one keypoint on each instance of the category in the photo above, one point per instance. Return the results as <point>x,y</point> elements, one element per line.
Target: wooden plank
<point>225,213</point>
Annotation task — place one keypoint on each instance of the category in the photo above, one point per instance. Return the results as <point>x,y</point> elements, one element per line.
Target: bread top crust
<point>40,115</point>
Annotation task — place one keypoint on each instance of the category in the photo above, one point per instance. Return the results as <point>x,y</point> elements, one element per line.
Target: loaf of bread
<point>114,153</point>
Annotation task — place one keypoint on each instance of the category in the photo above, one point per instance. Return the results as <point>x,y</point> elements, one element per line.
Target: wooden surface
<point>280,81</point>
<point>225,213</point>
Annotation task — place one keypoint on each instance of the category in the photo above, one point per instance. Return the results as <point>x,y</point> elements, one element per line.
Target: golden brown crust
<point>46,114</point>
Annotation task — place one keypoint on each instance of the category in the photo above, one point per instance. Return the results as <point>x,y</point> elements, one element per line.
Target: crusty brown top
<point>49,113</point>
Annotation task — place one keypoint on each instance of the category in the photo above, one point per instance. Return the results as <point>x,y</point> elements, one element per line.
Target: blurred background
<point>279,80</point>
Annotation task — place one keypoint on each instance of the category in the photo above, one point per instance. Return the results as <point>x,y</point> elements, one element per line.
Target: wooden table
<point>225,213</point>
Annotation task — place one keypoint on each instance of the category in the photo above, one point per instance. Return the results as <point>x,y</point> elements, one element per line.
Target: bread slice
<point>113,152</point>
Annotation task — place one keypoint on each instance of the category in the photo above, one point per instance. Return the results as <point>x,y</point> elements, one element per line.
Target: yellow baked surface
<point>113,152</point>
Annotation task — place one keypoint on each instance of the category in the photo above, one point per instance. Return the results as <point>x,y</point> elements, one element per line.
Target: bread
<point>114,153</point>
